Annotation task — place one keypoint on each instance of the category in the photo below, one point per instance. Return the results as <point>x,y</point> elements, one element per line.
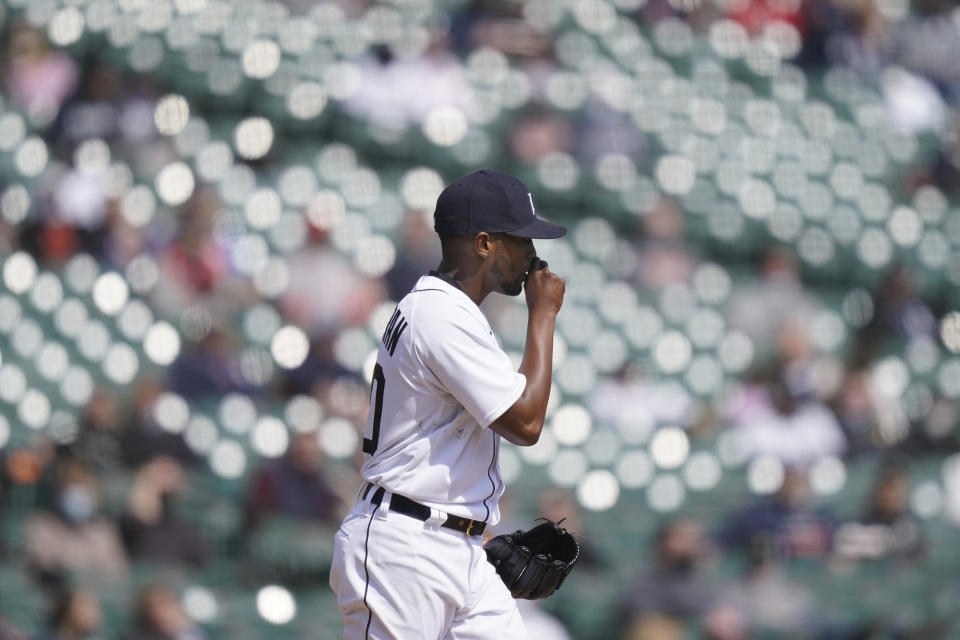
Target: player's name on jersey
<point>395,328</point>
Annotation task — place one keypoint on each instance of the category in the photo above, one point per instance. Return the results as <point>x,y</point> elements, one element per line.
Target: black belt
<point>408,507</point>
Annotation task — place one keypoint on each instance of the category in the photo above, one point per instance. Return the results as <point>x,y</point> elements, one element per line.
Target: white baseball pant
<point>397,578</point>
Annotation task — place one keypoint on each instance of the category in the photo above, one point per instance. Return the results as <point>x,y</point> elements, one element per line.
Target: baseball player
<point>409,561</point>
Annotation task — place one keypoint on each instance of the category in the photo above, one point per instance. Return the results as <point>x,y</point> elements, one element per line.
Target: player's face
<point>511,261</point>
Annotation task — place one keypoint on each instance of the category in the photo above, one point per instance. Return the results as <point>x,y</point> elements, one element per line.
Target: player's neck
<point>470,282</point>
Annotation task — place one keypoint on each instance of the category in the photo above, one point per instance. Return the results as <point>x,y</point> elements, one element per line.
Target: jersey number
<point>370,444</point>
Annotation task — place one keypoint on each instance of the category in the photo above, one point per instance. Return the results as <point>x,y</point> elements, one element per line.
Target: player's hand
<point>543,288</point>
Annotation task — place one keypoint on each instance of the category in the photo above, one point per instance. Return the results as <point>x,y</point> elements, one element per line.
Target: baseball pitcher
<point>409,559</point>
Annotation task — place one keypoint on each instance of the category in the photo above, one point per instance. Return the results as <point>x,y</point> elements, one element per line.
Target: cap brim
<point>540,229</point>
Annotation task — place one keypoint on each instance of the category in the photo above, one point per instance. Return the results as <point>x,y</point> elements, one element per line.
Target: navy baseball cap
<point>490,201</point>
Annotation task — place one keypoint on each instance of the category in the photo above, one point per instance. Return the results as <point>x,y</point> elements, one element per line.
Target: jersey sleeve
<point>463,354</point>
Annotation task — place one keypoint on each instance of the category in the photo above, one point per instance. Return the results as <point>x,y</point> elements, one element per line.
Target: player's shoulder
<point>432,293</point>
<point>437,304</point>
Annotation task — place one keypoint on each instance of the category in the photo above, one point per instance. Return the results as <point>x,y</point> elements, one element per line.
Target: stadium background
<point>208,208</point>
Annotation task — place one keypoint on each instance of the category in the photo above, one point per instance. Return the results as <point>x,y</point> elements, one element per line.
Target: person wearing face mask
<point>72,537</point>
<point>76,615</point>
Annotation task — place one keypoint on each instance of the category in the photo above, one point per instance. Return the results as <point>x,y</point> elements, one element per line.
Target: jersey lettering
<point>376,390</point>
<point>395,328</point>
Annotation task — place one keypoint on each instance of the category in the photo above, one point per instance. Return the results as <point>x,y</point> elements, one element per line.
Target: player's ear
<point>483,244</point>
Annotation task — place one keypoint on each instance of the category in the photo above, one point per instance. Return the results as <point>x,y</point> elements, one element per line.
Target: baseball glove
<point>534,563</point>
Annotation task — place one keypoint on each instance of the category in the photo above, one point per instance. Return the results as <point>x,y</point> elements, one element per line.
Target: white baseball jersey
<point>441,378</point>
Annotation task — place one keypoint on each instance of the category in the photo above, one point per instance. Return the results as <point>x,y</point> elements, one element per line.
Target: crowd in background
<point>108,498</point>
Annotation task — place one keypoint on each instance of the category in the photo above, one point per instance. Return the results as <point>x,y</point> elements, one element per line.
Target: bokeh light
<point>598,490</point>
<point>110,293</point>
<point>161,343</point>
<point>765,475</point>
<point>270,437</point>
<point>34,409</point>
<point>665,493</point>
<point>120,363</point>
<point>253,138</point>
<point>228,459</point>
<point>175,183</point>
<point>568,467</point>
<point>171,114</point>
<point>200,604</point>
<point>289,347</point>
<point>445,126</point>
<point>669,447</point>
<point>171,412</point>
<point>571,424</point>
<point>276,605</point>
<point>338,438</point>
<point>19,272</point>
<point>201,434</point>
<point>261,58</point>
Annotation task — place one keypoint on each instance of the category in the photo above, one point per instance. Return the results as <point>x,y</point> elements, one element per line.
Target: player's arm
<point>522,423</point>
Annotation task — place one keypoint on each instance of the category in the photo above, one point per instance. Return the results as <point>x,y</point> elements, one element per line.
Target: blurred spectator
<point>195,263</point>
<point>756,15</point>
<point>761,308</point>
<point>767,420</point>
<point>76,217</point>
<point>785,525</point>
<point>856,35</point>
<point>780,412</point>
<point>417,254</point>
<point>603,129</point>
<point>538,132</point>
<point>913,103</point>
<point>38,78</point>
<point>673,593</point>
<point>207,368</point>
<point>899,313</point>
<point>498,25</point>
<point>859,413</point>
<point>114,108</point>
<point>142,437</point>
<point>346,297</point>
<point>159,616</point>
<point>635,406</point>
<point>150,527</point>
<point>927,42</point>
<point>294,485</point>
<point>396,91</point>
<point>94,112</point>
<point>98,442</point>
<point>664,255</point>
<point>887,529</point>
<point>655,627</point>
<point>25,468</point>
<point>767,600</point>
<point>76,615</point>
<point>318,371</point>
<point>73,536</point>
